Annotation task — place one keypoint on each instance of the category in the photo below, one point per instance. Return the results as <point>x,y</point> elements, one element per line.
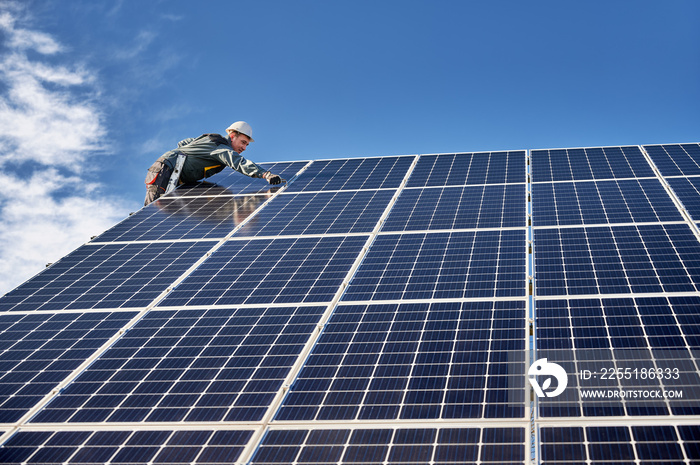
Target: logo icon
<point>549,370</point>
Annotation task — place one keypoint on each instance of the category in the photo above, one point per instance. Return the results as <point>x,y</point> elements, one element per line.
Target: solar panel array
<point>373,311</point>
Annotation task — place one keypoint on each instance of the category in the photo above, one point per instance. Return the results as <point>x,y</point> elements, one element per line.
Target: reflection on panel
<point>172,218</point>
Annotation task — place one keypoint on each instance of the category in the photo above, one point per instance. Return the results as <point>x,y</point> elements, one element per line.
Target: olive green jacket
<point>207,155</point>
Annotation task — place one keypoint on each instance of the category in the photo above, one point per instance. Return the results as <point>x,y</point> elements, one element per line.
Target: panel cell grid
<point>651,342</point>
<point>675,159</point>
<point>230,182</point>
<point>453,446</point>
<point>688,192</point>
<point>414,361</point>
<point>442,266</point>
<point>106,276</point>
<point>602,202</point>
<point>189,365</point>
<point>38,351</point>
<point>124,447</point>
<point>616,259</point>
<point>174,218</point>
<point>339,212</point>
<point>646,444</point>
<point>286,270</point>
<point>353,173</point>
<point>469,169</point>
<point>589,163</point>
<point>492,206</point>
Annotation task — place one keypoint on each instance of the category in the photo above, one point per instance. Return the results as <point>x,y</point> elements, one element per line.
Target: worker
<point>203,157</point>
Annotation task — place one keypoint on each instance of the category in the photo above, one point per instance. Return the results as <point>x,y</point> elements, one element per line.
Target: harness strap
<point>175,177</point>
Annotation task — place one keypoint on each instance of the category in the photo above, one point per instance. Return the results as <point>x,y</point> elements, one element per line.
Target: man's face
<point>239,142</point>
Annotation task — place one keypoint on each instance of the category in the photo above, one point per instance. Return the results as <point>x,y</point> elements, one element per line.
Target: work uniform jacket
<point>207,155</point>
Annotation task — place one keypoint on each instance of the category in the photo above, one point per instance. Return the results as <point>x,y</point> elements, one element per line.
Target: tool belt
<point>159,175</point>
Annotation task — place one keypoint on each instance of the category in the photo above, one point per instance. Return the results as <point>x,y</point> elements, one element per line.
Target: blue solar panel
<point>469,169</point>
<point>632,335</point>
<point>614,260</point>
<point>125,447</point>
<point>492,206</point>
<point>657,444</point>
<point>190,365</point>
<point>339,212</point>
<point>373,310</point>
<point>106,276</point>
<point>287,270</point>
<point>442,266</point>
<point>602,202</point>
<point>589,163</point>
<point>353,173</point>
<point>676,159</point>
<point>441,445</point>
<point>415,361</point>
<point>38,351</point>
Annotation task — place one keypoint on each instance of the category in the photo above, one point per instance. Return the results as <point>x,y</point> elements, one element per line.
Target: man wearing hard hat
<point>199,158</point>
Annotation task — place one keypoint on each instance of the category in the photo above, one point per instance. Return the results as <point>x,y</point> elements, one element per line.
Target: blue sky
<point>92,92</point>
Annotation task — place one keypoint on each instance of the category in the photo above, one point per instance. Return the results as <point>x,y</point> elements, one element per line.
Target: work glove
<point>272,178</point>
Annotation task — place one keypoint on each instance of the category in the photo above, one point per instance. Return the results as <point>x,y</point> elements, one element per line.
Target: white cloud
<point>51,130</point>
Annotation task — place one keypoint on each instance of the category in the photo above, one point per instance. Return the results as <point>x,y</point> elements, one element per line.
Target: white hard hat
<point>243,128</point>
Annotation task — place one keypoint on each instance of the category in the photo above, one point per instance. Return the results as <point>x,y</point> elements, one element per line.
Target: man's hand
<point>272,178</point>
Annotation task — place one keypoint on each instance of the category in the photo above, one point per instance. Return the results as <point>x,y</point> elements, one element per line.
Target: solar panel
<point>589,163</point>
<point>441,445</point>
<point>229,182</point>
<point>442,265</point>
<point>284,270</point>
<point>189,365</point>
<point>649,443</point>
<point>415,361</point>
<point>468,169</point>
<point>602,202</point>
<point>448,208</point>
<point>125,446</point>
<point>353,173</point>
<point>106,276</point>
<point>174,218</point>
<point>37,351</point>
<point>676,159</point>
<point>384,310</point>
<point>338,212</point>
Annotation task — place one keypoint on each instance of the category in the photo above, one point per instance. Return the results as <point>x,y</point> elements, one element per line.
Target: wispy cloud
<point>51,129</point>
